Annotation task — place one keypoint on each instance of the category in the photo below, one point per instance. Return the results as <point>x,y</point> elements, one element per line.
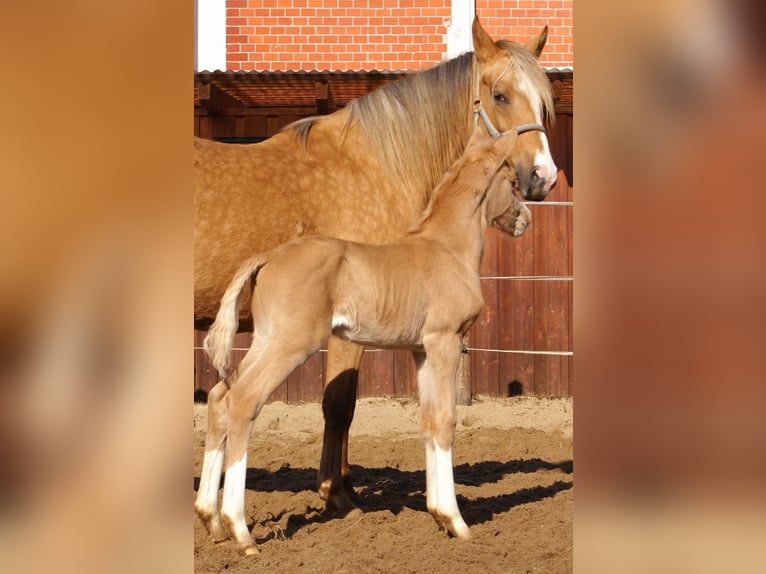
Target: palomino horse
<point>363,173</point>
<point>421,292</point>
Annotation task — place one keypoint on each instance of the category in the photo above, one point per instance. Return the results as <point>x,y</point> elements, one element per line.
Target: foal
<point>420,293</point>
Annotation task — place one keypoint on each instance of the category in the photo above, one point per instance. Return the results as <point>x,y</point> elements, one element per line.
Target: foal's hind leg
<point>338,403</point>
<point>206,504</point>
<point>437,372</point>
<point>260,374</point>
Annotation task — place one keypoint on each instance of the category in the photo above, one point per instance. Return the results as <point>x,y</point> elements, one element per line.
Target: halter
<point>478,111</point>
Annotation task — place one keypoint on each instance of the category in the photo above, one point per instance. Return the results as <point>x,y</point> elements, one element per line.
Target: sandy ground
<point>513,475</point>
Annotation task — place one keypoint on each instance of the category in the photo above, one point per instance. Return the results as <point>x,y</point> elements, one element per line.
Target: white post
<point>209,35</point>
<point>459,38</point>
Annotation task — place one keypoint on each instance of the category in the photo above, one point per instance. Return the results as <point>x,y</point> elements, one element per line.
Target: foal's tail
<point>220,337</point>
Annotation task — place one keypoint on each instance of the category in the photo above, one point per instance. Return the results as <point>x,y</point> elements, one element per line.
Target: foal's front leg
<point>437,372</point>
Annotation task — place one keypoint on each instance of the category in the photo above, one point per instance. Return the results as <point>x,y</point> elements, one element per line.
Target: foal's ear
<point>536,44</point>
<point>483,44</point>
<point>479,138</point>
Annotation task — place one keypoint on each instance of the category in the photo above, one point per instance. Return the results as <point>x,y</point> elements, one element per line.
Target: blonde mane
<point>418,126</point>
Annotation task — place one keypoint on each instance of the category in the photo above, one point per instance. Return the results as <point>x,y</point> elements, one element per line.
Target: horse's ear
<point>536,44</point>
<point>483,45</point>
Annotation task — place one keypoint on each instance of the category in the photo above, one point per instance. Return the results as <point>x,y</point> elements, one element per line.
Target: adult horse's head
<point>515,93</point>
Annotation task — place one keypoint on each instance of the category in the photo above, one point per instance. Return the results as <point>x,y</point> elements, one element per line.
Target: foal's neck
<point>455,215</point>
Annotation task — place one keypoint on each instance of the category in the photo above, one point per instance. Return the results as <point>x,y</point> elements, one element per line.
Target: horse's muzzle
<point>537,184</point>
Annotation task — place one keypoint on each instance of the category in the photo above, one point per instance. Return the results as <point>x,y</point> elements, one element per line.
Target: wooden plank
<point>286,119</point>
<point>366,376</point>
<point>239,126</point>
<point>383,374</point>
<point>305,383</point>
<point>405,375</point>
<point>463,387</point>
<point>273,125</point>
<point>299,111</point>
<point>293,385</point>
<point>205,128</point>
<point>551,298</point>
<point>560,139</point>
<point>516,315</point>
<point>484,364</point>
<point>223,126</point>
<point>255,126</point>
<point>570,238</point>
<point>280,394</point>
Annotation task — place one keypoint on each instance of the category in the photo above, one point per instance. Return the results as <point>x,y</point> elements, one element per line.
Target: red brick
<point>411,35</point>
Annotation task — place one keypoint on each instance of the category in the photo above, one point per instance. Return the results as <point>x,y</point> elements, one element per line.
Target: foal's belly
<point>405,336</point>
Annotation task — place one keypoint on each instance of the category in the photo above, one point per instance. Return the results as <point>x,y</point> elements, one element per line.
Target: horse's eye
<point>499,98</point>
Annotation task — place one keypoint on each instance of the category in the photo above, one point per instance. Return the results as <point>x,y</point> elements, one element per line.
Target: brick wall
<point>519,20</point>
<point>377,34</point>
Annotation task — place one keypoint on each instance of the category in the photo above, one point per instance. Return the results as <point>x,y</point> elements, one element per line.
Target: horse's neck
<point>416,142</point>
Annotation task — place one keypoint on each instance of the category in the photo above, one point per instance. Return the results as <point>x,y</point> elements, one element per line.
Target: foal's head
<point>502,208</point>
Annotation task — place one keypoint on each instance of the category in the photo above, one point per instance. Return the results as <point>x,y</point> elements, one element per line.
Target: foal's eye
<point>499,98</point>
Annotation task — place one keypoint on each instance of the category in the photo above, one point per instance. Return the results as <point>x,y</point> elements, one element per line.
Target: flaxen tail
<point>220,337</point>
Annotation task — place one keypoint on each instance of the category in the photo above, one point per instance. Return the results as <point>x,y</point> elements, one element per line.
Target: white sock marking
<point>445,485</point>
<point>431,497</point>
<point>233,504</point>
<point>209,481</point>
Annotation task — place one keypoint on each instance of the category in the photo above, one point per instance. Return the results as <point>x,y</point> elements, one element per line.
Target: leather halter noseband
<point>478,111</point>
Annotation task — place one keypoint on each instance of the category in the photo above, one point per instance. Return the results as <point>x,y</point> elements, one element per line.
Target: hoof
<point>250,551</point>
<point>355,512</point>
<point>218,532</point>
<point>213,525</point>
<point>338,501</point>
<point>461,532</point>
<point>453,526</point>
<point>342,507</point>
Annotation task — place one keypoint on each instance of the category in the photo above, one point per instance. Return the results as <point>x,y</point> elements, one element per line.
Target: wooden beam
<point>214,99</point>
<point>302,111</point>
<point>323,96</point>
